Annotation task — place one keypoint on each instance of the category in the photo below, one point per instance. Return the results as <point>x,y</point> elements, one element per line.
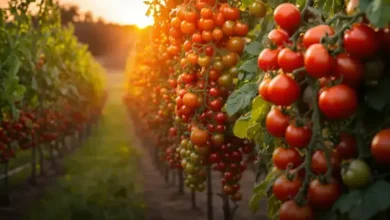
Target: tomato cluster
<point>316,77</point>
<point>196,47</point>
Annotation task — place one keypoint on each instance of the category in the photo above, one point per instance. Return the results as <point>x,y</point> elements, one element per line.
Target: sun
<point>143,22</point>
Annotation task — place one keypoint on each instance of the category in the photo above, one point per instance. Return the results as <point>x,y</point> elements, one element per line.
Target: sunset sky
<point>118,11</point>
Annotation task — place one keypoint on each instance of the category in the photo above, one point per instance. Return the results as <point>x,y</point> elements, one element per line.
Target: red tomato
<point>216,104</point>
<point>277,122</point>
<point>289,60</point>
<point>199,137</point>
<point>287,16</point>
<point>298,137</point>
<point>278,36</point>
<point>290,210</point>
<point>319,165</point>
<point>283,90</point>
<point>206,13</point>
<point>283,157</point>
<point>347,146</point>
<point>263,89</point>
<point>314,34</point>
<point>268,59</point>
<point>318,62</point>
<point>206,24</point>
<point>323,196</point>
<point>380,147</point>
<point>338,102</point>
<point>191,100</point>
<point>361,41</point>
<point>285,189</point>
<point>220,118</point>
<point>241,29</point>
<point>350,69</point>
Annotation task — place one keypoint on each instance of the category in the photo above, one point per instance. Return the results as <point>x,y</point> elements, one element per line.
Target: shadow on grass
<point>100,180</point>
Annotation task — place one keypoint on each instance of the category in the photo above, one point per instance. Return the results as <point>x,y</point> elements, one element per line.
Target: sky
<point>117,11</point>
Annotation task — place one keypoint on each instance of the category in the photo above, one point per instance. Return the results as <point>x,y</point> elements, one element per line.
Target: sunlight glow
<point>123,12</point>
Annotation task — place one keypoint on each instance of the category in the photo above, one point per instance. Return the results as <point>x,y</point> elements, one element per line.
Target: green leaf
<point>259,107</point>
<point>15,66</point>
<point>240,128</point>
<point>375,199</point>
<point>241,98</point>
<point>348,201</point>
<point>375,100</point>
<point>249,66</point>
<point>254,202</point>
<point>273,206</point>
<point>254,48</point>
<point>377,11</point>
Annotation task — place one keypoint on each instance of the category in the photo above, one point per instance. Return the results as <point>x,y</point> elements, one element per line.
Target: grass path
<point>100,180</point>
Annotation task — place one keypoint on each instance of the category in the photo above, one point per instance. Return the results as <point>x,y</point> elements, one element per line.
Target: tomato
<point>278,36</point>
<point>199,137</point>
<point>209,50</point>
<point>225,80</point>
<point>187,45</point>
<point>298,137</point>
<point>287,16</point>
<point>217,140</point>
<point>347,146</point>
<point>318,62</point>
<point>191,16</point>
<point>268,59</point>
<point>217,34</point>
<point>206,13</point>
<point>218,19</point>
<point>257,9</point>
<point>314,34</point>
<point>187,27</point>
<point>204,61</point>
<point>214,92</point>
<point>285,189</point>
<point>216,104</point>
<point>338,102</point>
<point>380,147</point>
<point>283,157</point>
<point>228,28</point>
<point>214,74</point>
<point>220,118</point>
<point>175,22</point>
<point>230,13</point>
<point>241,29</point>
<point>206,24</point>
<point>283,90</point>
<point>191,100</point>
<point>323,196</point>
<point>319,165</point>
<point>352,70</point>
<point>361,41</point>
<point>236,44</point>
<point>230,59</point>
<point>356,174</point>
<point>192,58</point>
<point>290,210</point>
<point>181,11</point>
<point>277,122</point>
<point>207,36</point>
<point>263,89</point>
<point>289,60</point>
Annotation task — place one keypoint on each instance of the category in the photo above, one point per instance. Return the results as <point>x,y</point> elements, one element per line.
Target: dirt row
<point>163,201</point>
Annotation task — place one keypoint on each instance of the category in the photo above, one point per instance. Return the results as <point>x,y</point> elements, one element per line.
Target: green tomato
<point>356,174</point>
